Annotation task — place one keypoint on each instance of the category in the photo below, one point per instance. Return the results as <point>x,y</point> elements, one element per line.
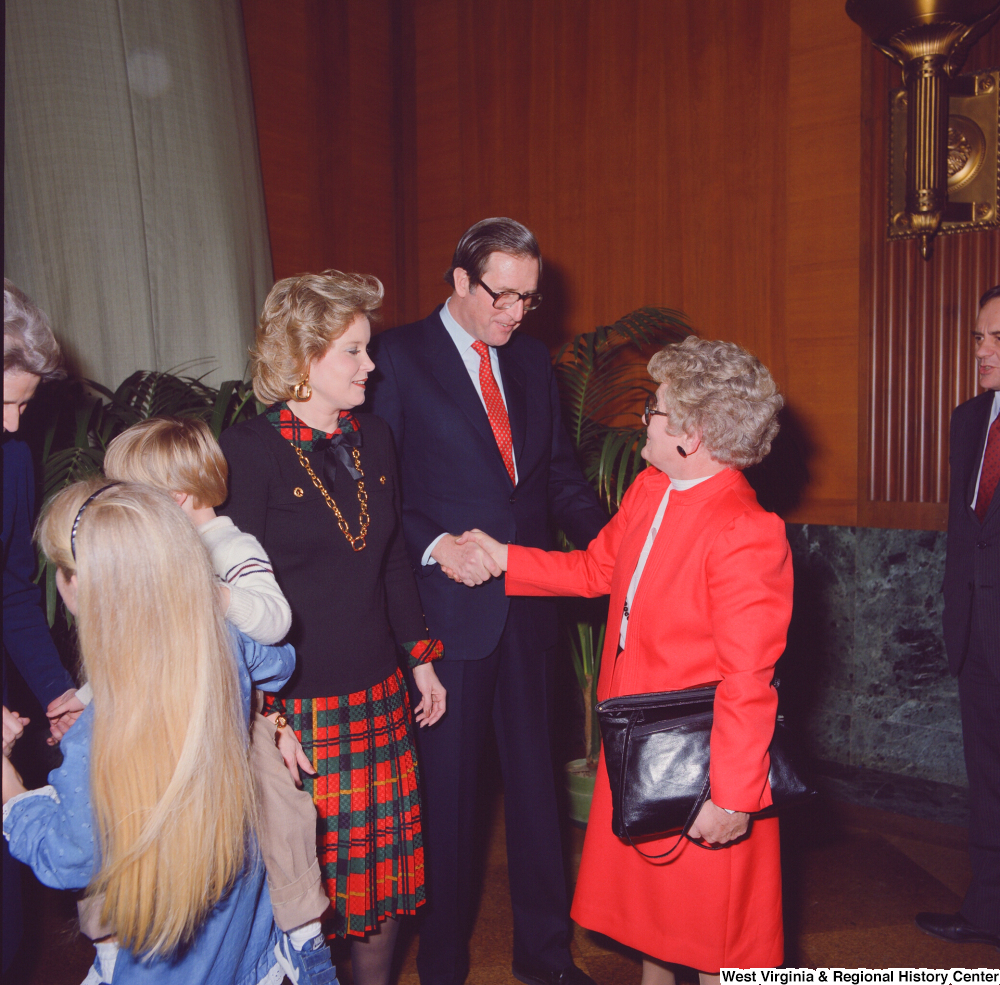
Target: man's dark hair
<point>498,235</point>
<point>993,292</point>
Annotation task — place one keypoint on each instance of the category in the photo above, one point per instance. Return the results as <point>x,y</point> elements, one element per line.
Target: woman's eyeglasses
<point>650,411</point>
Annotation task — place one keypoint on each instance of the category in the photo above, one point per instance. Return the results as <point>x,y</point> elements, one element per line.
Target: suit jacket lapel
<point>450,372</point>
<point>978,447</point>
<point>516,392</point>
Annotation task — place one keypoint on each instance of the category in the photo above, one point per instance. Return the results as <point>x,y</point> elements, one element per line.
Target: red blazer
<point>713,604</point>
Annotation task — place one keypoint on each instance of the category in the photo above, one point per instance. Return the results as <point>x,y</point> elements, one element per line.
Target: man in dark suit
<point>475,413</point>
<point>972,630</point>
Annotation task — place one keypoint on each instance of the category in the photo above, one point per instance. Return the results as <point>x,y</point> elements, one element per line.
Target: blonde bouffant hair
<point>722,392</point>
<point>301,317</point>
<point>170,785</point>
<point>175,454</point>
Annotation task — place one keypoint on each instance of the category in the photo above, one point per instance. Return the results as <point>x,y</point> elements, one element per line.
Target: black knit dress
<point>355,614</point>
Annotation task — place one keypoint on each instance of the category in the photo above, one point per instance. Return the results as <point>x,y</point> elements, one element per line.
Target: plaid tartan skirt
<point>366,793</point>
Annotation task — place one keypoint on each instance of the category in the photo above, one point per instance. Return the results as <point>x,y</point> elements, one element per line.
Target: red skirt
<point>370,849</point>
<point>707,910</point>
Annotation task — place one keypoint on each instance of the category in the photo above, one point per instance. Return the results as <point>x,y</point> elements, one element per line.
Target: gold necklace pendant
<point>357,543</point>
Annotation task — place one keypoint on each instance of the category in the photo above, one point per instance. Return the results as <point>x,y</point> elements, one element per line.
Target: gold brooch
<point>381,479</point>
<point>298,492</point>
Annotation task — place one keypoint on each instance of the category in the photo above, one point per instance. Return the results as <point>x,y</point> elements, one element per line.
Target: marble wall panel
<point>865,675</point>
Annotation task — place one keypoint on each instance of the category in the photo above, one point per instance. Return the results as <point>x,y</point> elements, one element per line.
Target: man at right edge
<point>972,630</point>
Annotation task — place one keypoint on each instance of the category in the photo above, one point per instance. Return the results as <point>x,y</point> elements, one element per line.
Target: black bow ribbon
<point>337,448</point>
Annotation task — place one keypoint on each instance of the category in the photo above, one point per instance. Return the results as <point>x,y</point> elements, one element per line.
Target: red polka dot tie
<point>495,407</point>
<point>991,470</point>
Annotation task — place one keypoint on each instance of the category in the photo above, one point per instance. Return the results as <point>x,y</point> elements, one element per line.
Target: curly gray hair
<point>721,391</point>
<point>28,343</point>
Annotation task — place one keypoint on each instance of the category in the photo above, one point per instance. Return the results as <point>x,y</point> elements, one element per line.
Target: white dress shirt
<point>994,414</point>
<point>463,342</point>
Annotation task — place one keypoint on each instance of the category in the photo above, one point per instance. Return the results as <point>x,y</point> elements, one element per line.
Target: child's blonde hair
<point>170,785</point>
<point>175,454</point>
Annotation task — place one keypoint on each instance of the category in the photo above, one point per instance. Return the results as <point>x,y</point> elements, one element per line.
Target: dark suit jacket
<point>972,565</point>
<point>453,475</point>
<point>347,605</point>
<point>26,636</point>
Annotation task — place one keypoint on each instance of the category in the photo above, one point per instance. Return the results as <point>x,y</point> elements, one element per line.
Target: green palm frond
<point>601,377</point>
<point>149,394</point>
<point>602,380</point>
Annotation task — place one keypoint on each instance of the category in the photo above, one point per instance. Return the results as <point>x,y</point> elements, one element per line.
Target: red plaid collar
<point>299,433</point>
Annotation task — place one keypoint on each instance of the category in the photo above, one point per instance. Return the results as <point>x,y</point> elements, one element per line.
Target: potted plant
<point>602,382</point>
<point>72,431</point>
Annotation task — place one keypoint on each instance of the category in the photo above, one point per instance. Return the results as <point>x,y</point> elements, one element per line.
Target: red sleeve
<point>750,586</point>
<point>531,571</point>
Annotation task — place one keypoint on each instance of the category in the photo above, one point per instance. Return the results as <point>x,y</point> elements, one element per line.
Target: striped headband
<point>76,522</point>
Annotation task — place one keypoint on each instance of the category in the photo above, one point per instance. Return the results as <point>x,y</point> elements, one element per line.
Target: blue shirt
<point>51,829</point>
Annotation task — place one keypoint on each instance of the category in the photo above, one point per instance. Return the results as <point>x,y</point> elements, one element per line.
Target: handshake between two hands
<point>471,559</point>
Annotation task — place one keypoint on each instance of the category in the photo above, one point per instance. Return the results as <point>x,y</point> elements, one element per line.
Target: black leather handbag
<point>656,749</point>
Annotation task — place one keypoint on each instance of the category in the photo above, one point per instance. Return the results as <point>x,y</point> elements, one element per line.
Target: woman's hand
<point>291,751</point>
<point>433,697</point>
<point>12,784</point>
<point>718,827</point>
<point>496,550</point>
<point>62,712</point>
<point>13,726</point>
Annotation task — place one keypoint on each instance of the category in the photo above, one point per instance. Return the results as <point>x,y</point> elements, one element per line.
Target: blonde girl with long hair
<point>154,806</point>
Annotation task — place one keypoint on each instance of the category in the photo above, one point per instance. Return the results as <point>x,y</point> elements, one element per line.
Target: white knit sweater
<point>256,605</point>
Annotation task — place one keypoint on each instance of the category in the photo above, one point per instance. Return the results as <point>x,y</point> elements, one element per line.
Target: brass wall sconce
<point>972,147</point>
<point>930,40</point>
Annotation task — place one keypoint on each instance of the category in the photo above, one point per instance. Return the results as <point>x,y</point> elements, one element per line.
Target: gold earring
<point>302,391</point>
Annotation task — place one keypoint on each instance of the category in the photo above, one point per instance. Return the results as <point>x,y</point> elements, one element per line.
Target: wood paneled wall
<point>820,334</point>
<point>916,325</point>
<point>324,86</point>
<point>642,142</point>
<point>699,154</point>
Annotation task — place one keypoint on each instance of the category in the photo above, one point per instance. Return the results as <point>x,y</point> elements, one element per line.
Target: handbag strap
<point>695,808</point>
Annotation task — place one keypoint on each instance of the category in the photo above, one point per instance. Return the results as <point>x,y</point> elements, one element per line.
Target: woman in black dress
<point>316,484</point>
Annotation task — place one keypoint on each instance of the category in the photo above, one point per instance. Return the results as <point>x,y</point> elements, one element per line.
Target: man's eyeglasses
<point>650,411</point>
<point>507,299</point>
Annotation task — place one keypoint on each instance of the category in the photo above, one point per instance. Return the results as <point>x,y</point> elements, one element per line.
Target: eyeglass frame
<point>648,413</point>
<point>532,296</point>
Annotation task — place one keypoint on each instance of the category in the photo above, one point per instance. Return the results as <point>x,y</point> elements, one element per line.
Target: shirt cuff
<point>46,791</point>
<point>85,694</point>
<point>427,559</point>
<point>423,652</point>
<point>272,704</point>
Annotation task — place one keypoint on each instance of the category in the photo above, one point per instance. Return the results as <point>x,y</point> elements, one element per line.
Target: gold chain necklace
<point>357,543</point>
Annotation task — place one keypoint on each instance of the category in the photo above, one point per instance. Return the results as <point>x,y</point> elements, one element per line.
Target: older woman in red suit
<point>700,579</point>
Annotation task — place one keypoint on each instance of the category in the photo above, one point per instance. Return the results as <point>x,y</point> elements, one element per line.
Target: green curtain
<point>133,204</point>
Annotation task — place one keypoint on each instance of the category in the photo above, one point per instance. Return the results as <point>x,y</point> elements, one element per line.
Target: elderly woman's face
<point>18,388</point>
<point>661,446</point>
<point>338,377</point>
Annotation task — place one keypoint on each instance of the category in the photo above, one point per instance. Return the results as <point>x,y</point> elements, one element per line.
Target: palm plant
<point>86,417</point>
<point>602,381</point>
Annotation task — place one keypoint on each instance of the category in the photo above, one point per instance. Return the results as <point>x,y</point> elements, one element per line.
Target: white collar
<point>462,339</point>
<point>682,484</point>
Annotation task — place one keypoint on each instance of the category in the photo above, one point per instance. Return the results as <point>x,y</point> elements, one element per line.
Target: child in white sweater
<point>181,457</point>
